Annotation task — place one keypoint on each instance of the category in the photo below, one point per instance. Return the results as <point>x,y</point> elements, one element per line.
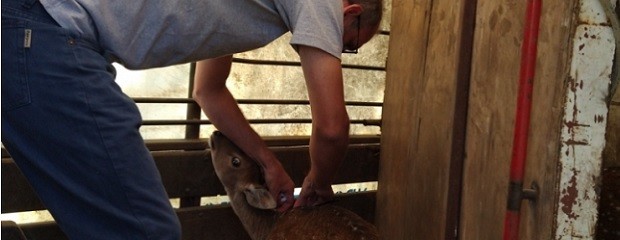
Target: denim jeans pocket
<point>15,43</point>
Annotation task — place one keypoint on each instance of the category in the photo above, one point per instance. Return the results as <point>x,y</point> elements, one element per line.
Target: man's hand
<point>280,186</point>
<point>313,194</point>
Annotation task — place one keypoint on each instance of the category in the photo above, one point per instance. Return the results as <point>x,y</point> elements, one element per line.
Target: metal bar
<point>384,32</point>
<point>254,101</point>
<point>193,109</point>
<point>192,131</point>
<point>522,121</point>
<point>272,141</point>
<point>162,100</point>
<point>367,122</point>
<point>295,64</point>
<point>374,122</point>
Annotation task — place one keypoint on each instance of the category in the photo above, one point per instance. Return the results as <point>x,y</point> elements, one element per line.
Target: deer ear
<point>259,197</point>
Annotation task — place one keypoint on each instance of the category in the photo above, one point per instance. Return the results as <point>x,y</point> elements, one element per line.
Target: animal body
<point>251,201</point>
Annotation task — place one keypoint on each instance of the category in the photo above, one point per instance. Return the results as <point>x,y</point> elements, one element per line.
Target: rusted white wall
<point>585,113</point>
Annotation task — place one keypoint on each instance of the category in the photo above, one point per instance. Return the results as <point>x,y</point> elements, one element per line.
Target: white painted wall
<point>585,120</point>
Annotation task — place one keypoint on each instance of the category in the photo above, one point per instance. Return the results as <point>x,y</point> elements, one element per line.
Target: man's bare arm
<point>330,123</point>
<point>221,108</point>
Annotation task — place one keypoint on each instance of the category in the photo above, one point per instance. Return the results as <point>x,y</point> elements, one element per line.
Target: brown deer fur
<point>243,181</point>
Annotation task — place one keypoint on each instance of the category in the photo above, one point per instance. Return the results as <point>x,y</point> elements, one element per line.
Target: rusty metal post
<point>192,131</point>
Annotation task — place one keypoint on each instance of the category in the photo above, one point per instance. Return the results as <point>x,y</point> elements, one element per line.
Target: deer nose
<point>214,135</point>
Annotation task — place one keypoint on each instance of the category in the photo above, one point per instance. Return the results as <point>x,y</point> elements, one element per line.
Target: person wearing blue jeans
<point>75,135</point>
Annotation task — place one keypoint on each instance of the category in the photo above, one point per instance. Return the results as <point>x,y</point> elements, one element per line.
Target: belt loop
<point>29,3</point>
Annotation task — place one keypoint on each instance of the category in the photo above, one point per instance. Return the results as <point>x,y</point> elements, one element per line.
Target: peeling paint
<point>592,13</point>
<point>575,142</point>
<point>569,197</point>
<point>583,132</point>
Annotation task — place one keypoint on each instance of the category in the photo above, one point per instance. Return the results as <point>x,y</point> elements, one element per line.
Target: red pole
<point>522,121</point>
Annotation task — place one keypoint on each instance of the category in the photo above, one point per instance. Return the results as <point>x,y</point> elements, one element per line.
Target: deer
<point>251,201</point>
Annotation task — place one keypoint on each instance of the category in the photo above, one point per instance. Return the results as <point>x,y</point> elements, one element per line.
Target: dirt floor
<point>609,206</point>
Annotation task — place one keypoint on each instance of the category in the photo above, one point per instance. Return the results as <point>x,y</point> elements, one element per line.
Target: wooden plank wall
<point>612,151</point>
<point>495,72</point>
<point>421,138</point>
<point>420,111</point>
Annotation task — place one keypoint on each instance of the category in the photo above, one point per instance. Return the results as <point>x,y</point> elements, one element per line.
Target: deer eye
<point>236,162</point>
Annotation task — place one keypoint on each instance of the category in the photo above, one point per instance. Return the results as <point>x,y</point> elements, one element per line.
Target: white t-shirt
<point>153,33</point>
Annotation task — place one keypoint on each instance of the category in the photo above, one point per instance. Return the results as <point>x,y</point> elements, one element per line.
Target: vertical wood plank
<point>499,29</point>
<point>406,60</point>
<point>612,151</point>
<point>554,52</point>
<point>418,138</point>
<point>494,77</point>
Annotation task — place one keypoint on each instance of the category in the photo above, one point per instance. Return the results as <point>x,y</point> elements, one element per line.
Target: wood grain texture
<point>418,121</point>
<point>611,155</point>
<point>492,102</point>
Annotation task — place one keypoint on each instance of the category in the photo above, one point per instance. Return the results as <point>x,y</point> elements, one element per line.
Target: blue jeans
<point>74,133</point>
